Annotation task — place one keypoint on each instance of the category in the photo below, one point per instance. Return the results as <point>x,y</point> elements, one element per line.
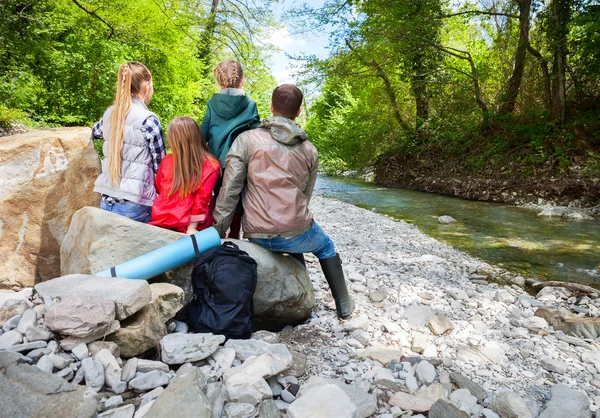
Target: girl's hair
<point>131,77</point>
<point>189,152</point>
<point>229,74</point>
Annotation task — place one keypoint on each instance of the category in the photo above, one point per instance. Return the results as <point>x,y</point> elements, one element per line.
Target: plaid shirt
<point>153,134</point>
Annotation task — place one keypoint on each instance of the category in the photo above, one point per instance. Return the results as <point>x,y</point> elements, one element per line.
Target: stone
<point>298,364</point>
<point>411,384</point>
<point>552,211</point>
<point>185,396</point>
<point>239,410</point>
<point>562,320</point>
<point>94,373</point>
<point>503,295</point>
<point>11,308</point>
<point>113,401</point>
<point>266,336</point>
<point>425,372</point>
<point>30,393</point>
<point>355,323</point>
<point>28,318</point>
<point>434,392</point>
<point>245,349</point>
<point>366,403</point>
<point>11,324</point>
<point>591,356</point>
<point>463,399</point>
<point>417,315</point>
<point>409,402</point>
<point>143,409</point>
<point>325,401</point>
<point>128,371</point>
<point>384,355</point>
<point>27,346</point>
<point>35,206</point>
<point>81,351</point>
<point>33,333</point>
<point>465,383</point>
<point>167,298</point>
<point>129,296</point>
<point>445,220</point>
<point>566,402</point>
<point>419,343</point>
<point>224,357</point>
<point>45,364</point>
<point>457,293</point>
<point>286,396</point>
<point>112,371</point>
<point>144,366</point>
<point>140,332</point>
<point>263,367</point>
<point>443,409</point>
<point>268,409</point>
<point>126,411</point>
<point>96,346</point>
<point>554,365</point>
<point>440,324</point>
<point>378,295</point>
<point>7,358</point>
<point>183,348</point>
<point>181,326</point>
<point>9,339</point>
<point>534,323</point>
<point>490,353</point>
<point>510,405</point>
<point>216,392</point>
<point>152,395</point>
<point>146,381</point>
<point>59,362</point>
<point>284,293</point>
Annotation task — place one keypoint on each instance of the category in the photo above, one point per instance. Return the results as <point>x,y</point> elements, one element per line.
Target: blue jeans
<point>137,212</point>
<point>312,241</point>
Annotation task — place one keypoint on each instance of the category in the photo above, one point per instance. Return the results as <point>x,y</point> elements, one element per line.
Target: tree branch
<point>93,14</point>
<point>477,12</point>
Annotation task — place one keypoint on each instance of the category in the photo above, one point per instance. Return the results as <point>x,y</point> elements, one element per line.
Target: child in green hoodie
<point>228,114</point>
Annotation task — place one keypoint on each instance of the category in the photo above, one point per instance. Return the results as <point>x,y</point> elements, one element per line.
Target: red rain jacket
<point>177,213</point>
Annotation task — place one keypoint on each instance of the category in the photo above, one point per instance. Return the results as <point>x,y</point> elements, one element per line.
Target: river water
<point>515,238</point>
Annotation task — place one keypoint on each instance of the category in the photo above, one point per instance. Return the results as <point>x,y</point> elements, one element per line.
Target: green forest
<point>499,87</point>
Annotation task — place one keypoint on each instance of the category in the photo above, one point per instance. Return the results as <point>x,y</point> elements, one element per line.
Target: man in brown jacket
<point>273,169</point>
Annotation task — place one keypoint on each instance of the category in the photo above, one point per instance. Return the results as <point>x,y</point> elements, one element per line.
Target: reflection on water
<point>547,248</point>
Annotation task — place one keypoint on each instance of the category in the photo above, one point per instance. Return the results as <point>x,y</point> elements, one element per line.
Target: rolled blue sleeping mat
<point>165,258</point>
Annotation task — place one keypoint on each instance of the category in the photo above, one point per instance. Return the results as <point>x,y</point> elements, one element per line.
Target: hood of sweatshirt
<point>227,106</point>
<point>284,130</point>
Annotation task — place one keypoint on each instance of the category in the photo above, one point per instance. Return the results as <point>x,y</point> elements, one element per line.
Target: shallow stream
<point>512,237</point>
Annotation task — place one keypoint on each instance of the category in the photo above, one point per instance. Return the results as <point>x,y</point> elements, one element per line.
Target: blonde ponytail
<point>117,123</point>
<point>131,76</point>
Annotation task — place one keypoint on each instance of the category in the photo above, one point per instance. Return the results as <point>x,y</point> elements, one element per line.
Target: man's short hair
<point>286,100</point>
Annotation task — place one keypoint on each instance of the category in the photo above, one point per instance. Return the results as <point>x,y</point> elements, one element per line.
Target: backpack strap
<point>230,244</point>
<point>196,250</point>
<point>113,272</point>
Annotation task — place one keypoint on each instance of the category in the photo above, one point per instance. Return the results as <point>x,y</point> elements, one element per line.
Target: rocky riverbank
<point>430,337</point>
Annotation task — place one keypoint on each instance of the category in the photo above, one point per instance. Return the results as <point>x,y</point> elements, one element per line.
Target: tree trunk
<point>561,13</point>
<point>418,85</point>
<point>514,84</point>
<point>204,49</point>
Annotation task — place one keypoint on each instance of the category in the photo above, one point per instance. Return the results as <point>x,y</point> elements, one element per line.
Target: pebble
<point>28,318</point>
<point>9,339</point>
<point>45,364</point>
<point>553,365</point>
<point>146,381</point>
<point>81,351</point>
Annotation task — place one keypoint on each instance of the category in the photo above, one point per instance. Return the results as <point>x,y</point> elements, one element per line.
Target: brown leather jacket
<point>274,169</point>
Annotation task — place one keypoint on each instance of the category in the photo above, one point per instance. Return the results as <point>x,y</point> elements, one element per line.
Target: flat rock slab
<point>511,405</point>
<point>35,205</point>
<point>184,348</point>
<point>366,403</point>
<point>409,402</point>
<point>566,402</point>
<point>326,401</point>
<point>384,355</point>
<point>183,398</point>
<point>29,392</point>
<point>443,409</point>
<point>82,317</point>
<point>464,383</point>
<point>129,296</point>
<point>582,327</point>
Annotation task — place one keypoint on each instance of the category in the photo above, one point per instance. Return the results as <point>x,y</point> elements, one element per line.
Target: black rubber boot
<point>332,269</point>
<point>299,257</point>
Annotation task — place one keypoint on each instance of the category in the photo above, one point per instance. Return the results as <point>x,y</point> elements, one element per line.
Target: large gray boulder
<point>129,296</point>
<point>29,392</point>
<point>98,240</point>
<point>45,176</point>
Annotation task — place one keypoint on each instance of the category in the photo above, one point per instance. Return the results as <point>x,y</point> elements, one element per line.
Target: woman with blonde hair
<point>185,180</point>
<point>133,146</point>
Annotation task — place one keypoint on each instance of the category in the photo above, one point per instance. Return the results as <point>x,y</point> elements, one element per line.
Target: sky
<point>294,44</point>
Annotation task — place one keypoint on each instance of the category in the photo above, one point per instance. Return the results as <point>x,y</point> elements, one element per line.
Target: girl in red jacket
<point>185,180</point>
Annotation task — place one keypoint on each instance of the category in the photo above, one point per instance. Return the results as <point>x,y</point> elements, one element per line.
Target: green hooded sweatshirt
<point>227,117</point>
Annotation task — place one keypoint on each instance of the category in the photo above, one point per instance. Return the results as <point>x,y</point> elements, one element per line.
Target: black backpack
<point>224,280</point>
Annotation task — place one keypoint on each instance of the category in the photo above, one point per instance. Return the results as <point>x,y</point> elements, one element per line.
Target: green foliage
<point>10,116</point>
<point>58,61</point>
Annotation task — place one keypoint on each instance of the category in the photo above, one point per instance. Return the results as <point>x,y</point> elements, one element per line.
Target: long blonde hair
<point>131,77</point>
<point>189,153</point>
<point>229,74</point>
